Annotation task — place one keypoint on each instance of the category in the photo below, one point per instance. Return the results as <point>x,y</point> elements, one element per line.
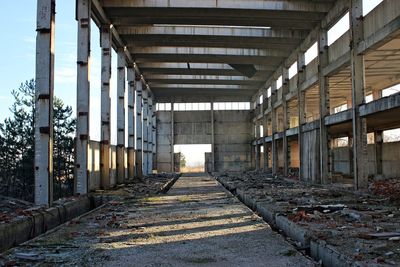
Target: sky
<point>19,50</point>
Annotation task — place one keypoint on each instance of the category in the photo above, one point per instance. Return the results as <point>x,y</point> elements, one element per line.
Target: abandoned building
<point>304,92</point>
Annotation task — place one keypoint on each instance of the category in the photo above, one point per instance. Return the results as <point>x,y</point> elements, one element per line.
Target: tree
<point>63,161</point>
<point>17,146</point>
<point>182,163</point>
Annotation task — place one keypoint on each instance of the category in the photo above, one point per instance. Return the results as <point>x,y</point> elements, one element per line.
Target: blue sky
<point>18,62</point>
<point>19,56</point>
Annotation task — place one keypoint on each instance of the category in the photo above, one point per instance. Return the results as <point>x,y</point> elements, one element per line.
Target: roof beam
<point>297,5</point>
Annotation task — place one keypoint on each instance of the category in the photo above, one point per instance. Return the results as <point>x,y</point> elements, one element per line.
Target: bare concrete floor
<point>197,223</point>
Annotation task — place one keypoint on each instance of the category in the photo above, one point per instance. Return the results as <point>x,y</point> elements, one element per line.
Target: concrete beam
<point>44,91</point>
<point>131,122</point>
<point>121,78</point>
<point>383,104</point>
<point>105,43</point>
<point>283,5</point>
<point>198,36</point>
<point>209,58</point>
<point>83,9</point>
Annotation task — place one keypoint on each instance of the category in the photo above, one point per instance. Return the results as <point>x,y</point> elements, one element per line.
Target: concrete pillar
<point>121,115</point>
<point>324,107</point>
<point>138,120</point>
<point>130,71</point>
<point>172,137</point>
<point>274,153</point>
<point>44,91</point>
<point>266,156</point>
<point>83,10</point>
<point>301,107</point>
<point>378,136</point>
<point>285,91</point>
<point>145,118</point>
<point>150,137</point>
<point>212,138</point>
<point>105,43</point>
<point>154,139</point>
<point>358,86</point>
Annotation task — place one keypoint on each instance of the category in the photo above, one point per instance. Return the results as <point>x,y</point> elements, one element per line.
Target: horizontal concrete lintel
<point>383,104</point>
<point>379,36</point>
<point>338,118</point>
<point>336,65</point>
<point>278,135</point>
<point>268,139</point>
<point>292,131</point>
<point>310,126</point>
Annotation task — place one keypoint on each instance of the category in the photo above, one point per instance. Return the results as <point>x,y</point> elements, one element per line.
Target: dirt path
<point>197,223</point>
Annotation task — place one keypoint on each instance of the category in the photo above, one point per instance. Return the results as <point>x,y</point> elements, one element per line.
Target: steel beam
<point>44,91</point>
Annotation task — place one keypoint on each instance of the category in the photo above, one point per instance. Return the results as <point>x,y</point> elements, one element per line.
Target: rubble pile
<point>364,227</point>
<point>149,185</point>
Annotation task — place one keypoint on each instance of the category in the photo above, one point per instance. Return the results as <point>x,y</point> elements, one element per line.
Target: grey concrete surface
<point>197,223</point>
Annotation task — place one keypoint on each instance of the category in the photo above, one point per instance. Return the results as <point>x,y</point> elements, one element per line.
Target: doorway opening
<point>191,158</point>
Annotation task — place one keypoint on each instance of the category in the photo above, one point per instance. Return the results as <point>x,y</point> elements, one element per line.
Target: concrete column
<point>44,91</point>
<point>358,86</point>
<point>172,137</point>
<point>265,126</point>
<point>121,115</point>
<point>285,91</point>
<point>378,153</point>
<point>145,118</point>
<point>83,10</point>
<point>130,71</point>
<point>324,107</point>
<point>154,139</point>
<point>105,43</point>
<point>150,138</point>
<point>274,153</point>
<point>138,120</point>
<point>301,107</point>
<point>212,138</point>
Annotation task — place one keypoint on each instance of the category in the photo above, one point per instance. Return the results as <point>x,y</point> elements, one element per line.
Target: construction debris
<point>363,227</point>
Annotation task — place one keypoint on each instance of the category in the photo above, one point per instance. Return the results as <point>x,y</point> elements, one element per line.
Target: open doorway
<point>191,157</point>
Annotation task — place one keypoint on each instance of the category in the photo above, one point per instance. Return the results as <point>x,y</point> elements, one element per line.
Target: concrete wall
<point>390,158</point>
<point>310,155</point>
<point>164,141</point>
<point>94,165</point>
<point>232,137</point>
